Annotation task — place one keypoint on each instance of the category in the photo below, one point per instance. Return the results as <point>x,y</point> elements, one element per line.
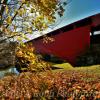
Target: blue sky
<point>79,9</point>
<point>8,1</point>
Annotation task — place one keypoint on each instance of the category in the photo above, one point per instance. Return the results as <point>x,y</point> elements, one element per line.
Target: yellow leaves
<point>6,9</point>
<point>45,26</point>
<point>40,23</point>
<point>29,30</point>
<point>19,38</point>
<point>27,54</point>
<point>45,4</point>
<point>38,13</point>
<point>51,19</point>
<point>26,51</point>
<point>23,45</point>
<point>22,11</point>
<point>26,38</point>
<point>9,20</point>
<point>23,1</point>
<point>33,62</point>
<point>19,53</point>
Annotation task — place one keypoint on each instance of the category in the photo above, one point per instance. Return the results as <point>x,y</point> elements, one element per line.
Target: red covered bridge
<point>71,40</point>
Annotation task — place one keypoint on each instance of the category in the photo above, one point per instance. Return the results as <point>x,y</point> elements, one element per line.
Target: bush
<point>27,60</point>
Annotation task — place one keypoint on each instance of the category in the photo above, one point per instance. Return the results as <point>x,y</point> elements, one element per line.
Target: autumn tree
<point>21,17</point>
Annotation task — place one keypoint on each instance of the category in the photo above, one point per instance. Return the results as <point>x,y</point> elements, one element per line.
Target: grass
<point>65,66</point>
<point>89,69</point>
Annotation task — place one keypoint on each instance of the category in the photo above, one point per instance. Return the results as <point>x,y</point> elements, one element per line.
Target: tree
<point>32,15</point>
<point>21,17</point>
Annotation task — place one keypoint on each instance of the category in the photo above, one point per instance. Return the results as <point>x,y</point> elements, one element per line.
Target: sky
<point>79,9</point>
<point>74,11</point>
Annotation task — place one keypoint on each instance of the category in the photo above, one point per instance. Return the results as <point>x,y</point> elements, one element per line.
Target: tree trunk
<point>7,54</point>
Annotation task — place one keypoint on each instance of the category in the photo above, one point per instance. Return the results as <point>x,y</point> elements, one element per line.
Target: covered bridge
<point>71,40</point>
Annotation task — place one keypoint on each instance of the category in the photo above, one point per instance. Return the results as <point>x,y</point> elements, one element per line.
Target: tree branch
<point>14,36</point>
<point>2,9</point>
<point>15,15</point>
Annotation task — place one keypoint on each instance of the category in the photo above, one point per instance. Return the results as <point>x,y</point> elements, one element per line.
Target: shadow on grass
<point>54,68</point>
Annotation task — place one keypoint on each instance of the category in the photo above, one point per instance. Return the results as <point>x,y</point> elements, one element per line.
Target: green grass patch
<point>89,69</point>
<point>64,66</point>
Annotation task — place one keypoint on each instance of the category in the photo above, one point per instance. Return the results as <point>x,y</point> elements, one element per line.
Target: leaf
<point>19,38</point>
<point>21,12</point>
<point>9,19</point>
<point>29,30</point>
<point>7,10</point>
<point>23,1</point>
